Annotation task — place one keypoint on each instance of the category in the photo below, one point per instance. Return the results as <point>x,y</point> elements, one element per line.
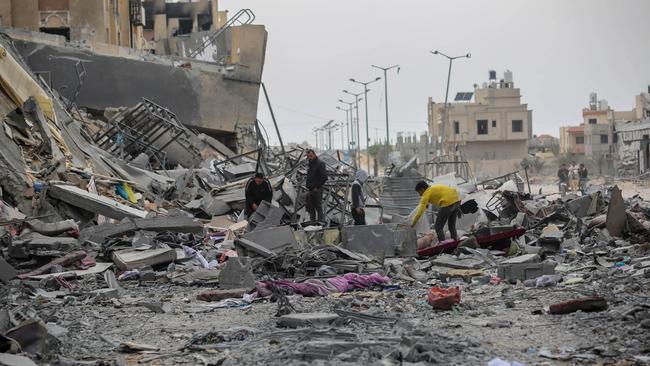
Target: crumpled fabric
<point>324,287</point>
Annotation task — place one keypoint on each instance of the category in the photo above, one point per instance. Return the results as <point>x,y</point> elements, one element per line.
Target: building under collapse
<point>189,57</point>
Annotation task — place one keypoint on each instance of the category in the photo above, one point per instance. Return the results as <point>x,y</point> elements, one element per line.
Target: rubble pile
<point>124,241</point>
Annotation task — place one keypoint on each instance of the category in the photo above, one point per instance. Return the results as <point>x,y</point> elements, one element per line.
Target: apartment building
<point>598,137</point>
<point>489,127</point>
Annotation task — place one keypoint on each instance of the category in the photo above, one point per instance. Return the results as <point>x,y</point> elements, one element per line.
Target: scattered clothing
<point>317,287</point>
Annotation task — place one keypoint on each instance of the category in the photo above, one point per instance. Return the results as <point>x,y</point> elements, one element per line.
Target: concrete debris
<point>302,320</point>
<point>136,259</point>
<point>237,274</point>
<point>124,214</point>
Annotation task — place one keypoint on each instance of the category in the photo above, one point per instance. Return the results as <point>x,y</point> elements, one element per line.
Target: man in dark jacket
<point>258,189</point>
<point>316,178</point>
<point>358,198</point>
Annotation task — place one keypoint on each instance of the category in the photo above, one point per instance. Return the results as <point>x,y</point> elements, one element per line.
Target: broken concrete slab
<point>156,224</point>
<point>275,239</point>
<point>521,270</point>
<point>301,320</point>
<point>265,216</point>
<point>247,247</point>
<point>77,197</point>
<point>616,216</point>
<point>31,243</point>
<point>526,258</point>
<point>7,359</point>
<point>63,261</point>
<point>213,206</point>
<point>51,228</point>
<point>97,268</point>
<point>7,272</point>
<point>135,259</point>
<point>460,262</point>
<point>237,274</point>
<point>373,240</point>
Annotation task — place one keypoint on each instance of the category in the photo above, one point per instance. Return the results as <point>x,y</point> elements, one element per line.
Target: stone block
<point>301,320</point>
<point>525,271</point>
<point>237,274</point>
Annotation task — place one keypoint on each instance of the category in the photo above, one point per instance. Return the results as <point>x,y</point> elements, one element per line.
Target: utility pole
<point>385,70</point>
<point>348,124</point>
<point>446,115</point>
<point>357,100</point>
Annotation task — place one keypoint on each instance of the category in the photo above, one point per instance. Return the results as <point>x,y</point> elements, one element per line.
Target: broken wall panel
<point>201,97</point>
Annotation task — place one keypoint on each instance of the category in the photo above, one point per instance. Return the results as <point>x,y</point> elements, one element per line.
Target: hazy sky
<point>558,50</point>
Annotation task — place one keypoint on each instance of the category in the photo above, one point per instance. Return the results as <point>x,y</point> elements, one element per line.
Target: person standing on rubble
<point>584,177</point>
<point>358,199</point>
<point>563,175</point>
<point>445,197</point>
<point>316,178</point>
<point>258,189</point>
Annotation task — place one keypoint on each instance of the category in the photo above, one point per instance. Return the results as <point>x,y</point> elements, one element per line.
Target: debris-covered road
<point>128,237</point>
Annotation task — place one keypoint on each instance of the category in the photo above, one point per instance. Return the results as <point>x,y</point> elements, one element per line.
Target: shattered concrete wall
<point>201,97</point>
<point>244,47</point>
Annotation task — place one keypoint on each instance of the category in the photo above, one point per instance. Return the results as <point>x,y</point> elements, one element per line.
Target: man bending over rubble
<point>316,178</point>
<point>447,199</point>
<point>258,189</point>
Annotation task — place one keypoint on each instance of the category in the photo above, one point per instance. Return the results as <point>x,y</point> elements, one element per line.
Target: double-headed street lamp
<point>358,135</point>
<point>385,70</point>
<point>347,112</point>
<point>446,116</point>
<point>365,91</point>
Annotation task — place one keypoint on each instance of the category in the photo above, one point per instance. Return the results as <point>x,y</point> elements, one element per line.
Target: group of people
<point>574,178</point>
<point>447,198</point>
<point>259,189</point>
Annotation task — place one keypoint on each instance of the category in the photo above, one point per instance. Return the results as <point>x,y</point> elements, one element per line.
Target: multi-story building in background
<point>598,136</point>
<point>491,132</point>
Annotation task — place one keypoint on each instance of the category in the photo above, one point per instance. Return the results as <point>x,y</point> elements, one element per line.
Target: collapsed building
<point>123,241</point>
<point>205,70</point>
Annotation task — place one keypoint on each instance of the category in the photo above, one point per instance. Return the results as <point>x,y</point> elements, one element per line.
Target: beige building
<point>491,132</point>
<point>572,140</point>
<point>597,136</point>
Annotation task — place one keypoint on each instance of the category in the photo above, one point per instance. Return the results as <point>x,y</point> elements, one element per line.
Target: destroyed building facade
<point>212,85</point>
<point>491,132</point>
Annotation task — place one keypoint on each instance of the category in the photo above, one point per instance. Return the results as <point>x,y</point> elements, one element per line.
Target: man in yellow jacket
<point>445,197</point>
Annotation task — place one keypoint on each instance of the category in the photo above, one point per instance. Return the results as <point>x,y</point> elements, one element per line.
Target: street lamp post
<point>365,92</point>
<point>358,140</point>
<point>446,116</point>
<point>385,70</point>
<point>348,124</point>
